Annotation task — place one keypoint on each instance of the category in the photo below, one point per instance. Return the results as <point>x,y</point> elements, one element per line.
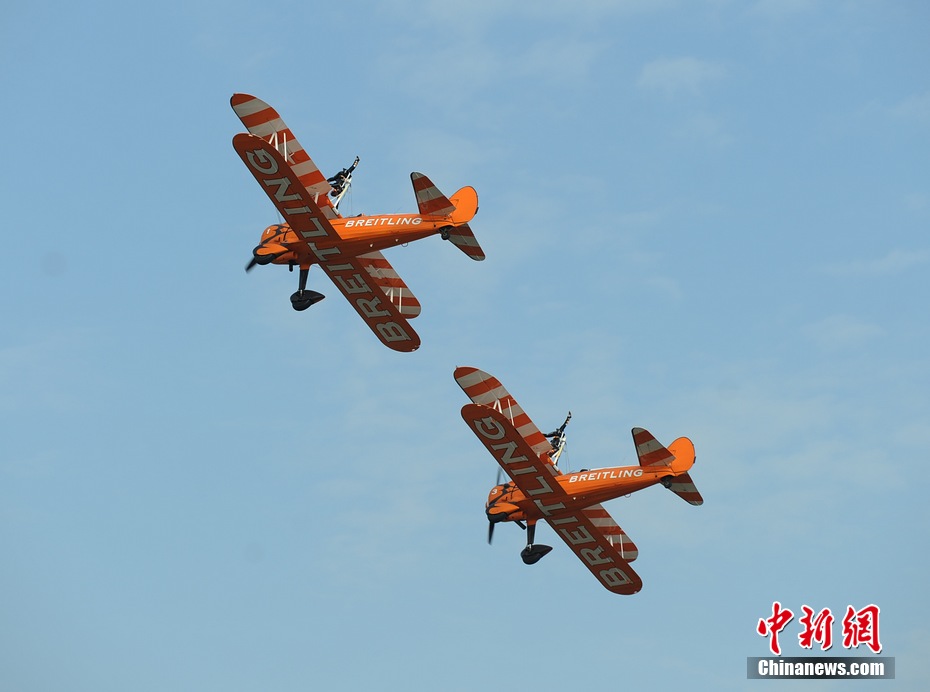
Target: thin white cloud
<point>839,332</point>
<point>704,128</point>
<point>895,262</point>
<point>915,107</point>
<point>674,76</point>
<point>778,9</point>
<point>487,11</point>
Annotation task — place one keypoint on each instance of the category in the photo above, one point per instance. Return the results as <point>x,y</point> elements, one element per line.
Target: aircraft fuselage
<point>582,489</point>
<point>358,235</point>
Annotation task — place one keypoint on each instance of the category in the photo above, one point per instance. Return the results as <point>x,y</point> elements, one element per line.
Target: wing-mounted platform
<point>263,121</point>
<point>486,390</point>
<point>383,274</point>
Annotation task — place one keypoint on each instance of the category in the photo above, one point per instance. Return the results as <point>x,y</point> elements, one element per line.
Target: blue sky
<point>705,218</point>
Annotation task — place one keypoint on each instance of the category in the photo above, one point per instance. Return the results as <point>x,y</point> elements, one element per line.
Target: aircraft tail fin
<point>460,209</point>
<point>679,458</point>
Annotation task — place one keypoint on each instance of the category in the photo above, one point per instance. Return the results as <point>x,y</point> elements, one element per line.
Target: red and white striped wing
<point>280,183</point>
<point>616,536</point>
<point>596,549</point>
<point>486,390</point>
<point>383,274</point>
<point>373,306</point>
<point>263,121</point>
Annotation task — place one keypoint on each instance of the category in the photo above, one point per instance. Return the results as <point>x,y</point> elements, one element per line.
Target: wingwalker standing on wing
<point>347,249</point>
<point>569,502</point>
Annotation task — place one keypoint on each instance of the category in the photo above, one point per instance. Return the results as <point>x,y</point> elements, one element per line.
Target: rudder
<point>682,485</point>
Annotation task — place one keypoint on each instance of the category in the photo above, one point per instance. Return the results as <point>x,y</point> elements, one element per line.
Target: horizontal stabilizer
<point>684,488</point>
<point>430,201</point>
<point>649,450</point>
<point>464,239</point>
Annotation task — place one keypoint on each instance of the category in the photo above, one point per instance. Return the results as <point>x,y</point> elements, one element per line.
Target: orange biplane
<point>570,502</point>
<point>347,249</point>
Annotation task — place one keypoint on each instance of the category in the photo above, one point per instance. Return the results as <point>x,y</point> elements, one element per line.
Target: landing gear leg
<point>302,298</point>
<point>532,554</point>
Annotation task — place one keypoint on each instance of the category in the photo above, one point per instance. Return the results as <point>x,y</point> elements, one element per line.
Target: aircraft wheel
<point>301,300</point>
<point>444,232</point>
<point>533,554</point>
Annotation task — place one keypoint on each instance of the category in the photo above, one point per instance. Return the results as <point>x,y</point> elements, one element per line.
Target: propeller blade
<point>250,265</point>
<point>490,532</point>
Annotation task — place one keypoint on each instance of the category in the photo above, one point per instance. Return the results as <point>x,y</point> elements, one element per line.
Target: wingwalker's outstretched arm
<point>557,439</point>
<point>341,182</point>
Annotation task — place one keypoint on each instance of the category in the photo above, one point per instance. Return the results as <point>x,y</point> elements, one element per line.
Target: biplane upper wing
<point>383,274</point>
<point>586,531</point>
<point>486,390</point>
<point>263,121</point>
<point>381,315</point>
<point>284,189</point>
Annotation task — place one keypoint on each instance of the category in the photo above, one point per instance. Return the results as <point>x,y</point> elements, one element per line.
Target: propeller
<point>500,472</point>
<point>251,264</point>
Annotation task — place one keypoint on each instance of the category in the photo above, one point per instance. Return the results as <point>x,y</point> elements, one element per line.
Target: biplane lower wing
<point>486,390</point>
<point>530,472</point>
<point>383,274</point>
<point>351,277</point>
<point>602,556</point>
<point>616,536</point>
<point>284,188</point>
